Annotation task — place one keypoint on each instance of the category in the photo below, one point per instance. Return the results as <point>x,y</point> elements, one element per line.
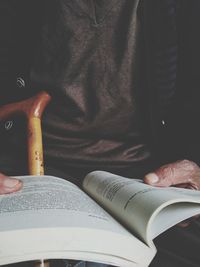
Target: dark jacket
<point>172,58</point>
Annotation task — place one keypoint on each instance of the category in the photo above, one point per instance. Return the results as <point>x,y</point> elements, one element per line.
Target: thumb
<point>8,184</point>
<point>177,173</point>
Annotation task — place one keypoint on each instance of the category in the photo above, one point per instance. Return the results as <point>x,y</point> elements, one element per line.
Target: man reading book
<point>124,96</point>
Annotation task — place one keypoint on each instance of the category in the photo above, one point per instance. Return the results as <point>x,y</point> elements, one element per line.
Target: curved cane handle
<point>32,108</point>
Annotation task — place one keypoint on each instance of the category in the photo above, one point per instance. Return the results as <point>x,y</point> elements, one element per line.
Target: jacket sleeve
<point>19,21</point>
<point>7,47</point>
<point>189,77</point>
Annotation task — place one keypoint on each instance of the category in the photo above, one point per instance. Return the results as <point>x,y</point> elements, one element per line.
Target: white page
<point>54,218</point>
<point>137,204</point>
<point>178,212</point>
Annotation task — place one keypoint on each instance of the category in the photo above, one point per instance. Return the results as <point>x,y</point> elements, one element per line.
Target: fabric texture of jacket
<point>172,59</point>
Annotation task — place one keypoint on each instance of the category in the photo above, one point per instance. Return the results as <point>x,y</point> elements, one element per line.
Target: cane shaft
<point>42,264</point>
<point>35,150</point>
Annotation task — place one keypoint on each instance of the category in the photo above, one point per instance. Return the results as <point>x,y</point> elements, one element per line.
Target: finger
<point>180,172</point>
<point>187,222</point>
<point>9,185</point>
<point>184,224</point>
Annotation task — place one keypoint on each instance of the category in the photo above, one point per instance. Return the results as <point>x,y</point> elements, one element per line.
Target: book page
<point>54,218</point>
<point>138,205</point>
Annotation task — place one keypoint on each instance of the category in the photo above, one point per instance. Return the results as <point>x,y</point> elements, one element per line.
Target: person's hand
<point>184,173</point>
<point>9,185</point>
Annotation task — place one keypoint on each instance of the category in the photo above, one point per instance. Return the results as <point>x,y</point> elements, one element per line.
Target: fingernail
<point>11,182</point>
<point>152,178</point>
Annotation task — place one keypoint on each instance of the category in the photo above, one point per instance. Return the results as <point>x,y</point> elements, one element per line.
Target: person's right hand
<point>9,185</point>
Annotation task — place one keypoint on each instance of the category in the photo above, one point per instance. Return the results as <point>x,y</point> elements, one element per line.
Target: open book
<point>114,221</point>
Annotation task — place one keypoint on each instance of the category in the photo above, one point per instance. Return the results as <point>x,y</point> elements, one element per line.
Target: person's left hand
<point>184,173</point>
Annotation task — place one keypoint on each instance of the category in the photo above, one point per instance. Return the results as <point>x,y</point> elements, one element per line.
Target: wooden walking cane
<point>32,108</point>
